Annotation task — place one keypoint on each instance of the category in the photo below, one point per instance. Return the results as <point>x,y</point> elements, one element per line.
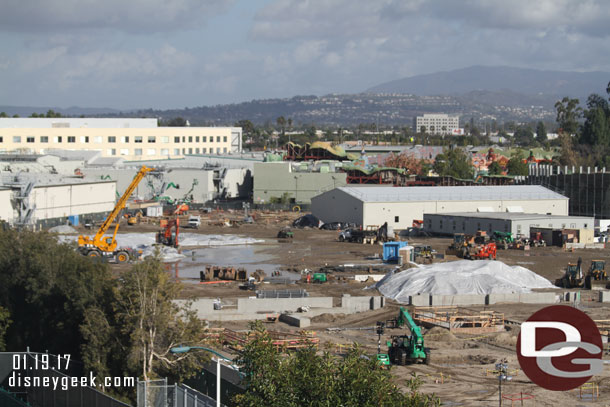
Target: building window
<point>98,140</point>
<point>71,139</point>
<point>152,139</point>
<point>125,139</point>
<point>197,139</point>
<point>204,139</point>
<point>83,139</point>
<point>224,139</point>
<point>29,139</point>
<point>165,139</point>
<point>111,139</point>
<point>197,151</point>
<point>124,151</point>
<point>396,219</point>
<point>43,139</point>
<point>1,139</point>
<point>16,139</point>
<point>112,151</point>
<point>138,139</point>
<point>190,151</point>
<point>217,150</point>
<point>204,150</point>
<point>440,224</point>
<point>585,225</point>
<point>453,225</point>
<point>176,139</point>
<point>57,139</point>
<point>183,139</point>
<point>137,151</point>
<point>151,151</point>
<point>183,150</point>
<point>224,150</point>
<point>176,151</point>
<point>218,139</point>
<point>165,151</point>
<point>190,139</point>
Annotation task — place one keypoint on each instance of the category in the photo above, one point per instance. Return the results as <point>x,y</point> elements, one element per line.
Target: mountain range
<point>482,92</point>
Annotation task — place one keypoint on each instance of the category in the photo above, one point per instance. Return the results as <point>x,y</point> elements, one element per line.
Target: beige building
<point>400,206</point>
<point>441,124</point>
<point>131,139</point>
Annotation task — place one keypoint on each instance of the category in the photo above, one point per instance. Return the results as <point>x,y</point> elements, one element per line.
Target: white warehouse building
<point>400,206</point>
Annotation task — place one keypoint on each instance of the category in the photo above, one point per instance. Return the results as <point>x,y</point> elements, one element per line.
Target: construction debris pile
<point>460,277</point>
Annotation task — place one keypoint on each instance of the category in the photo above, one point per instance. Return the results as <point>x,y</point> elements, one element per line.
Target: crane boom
<point>405,318</point>
<point>109,244</point>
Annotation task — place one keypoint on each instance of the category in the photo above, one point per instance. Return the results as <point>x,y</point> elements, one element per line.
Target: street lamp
<point>502,369</point>
<point>184,349</point>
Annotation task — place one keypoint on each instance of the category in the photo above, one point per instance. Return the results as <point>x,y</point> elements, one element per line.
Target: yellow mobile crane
<point>106,246</point>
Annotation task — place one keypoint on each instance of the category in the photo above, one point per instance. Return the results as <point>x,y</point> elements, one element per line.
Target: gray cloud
<point>132,16</point>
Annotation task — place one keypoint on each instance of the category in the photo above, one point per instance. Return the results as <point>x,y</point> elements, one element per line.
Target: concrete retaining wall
<point>295,320</point>
<point>604,296</point>
<point>525,298</point>
<point>421,300</point>
<point>253,305</point>
<point>359,304</point>
<point>444,300</point>
<point>364,277</point>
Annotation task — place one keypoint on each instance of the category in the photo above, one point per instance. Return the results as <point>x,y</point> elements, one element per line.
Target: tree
<point>516,166</point>
<point>306,378</point>
<point>568,113</point>
<point>524,136</point>
<point>177,122</point>
<point>281,122</point>
<point>150,323</point>
<point>3,114</point>
<point>407,161</point>
<point>495,169</point>
<point>541,132</point>
<point>5,321</point>
<point>455,163</point>
<point>596,130</point>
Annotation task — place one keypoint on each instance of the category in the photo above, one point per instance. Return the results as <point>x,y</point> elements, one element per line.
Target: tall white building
<point>131,139</point>
<point>442,124</point>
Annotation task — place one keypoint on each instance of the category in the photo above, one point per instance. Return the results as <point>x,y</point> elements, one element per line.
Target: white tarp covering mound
<point>63,230</point>
<point>460,277</point>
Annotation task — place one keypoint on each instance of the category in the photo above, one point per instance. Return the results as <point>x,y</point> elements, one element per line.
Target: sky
<point>128,54</point>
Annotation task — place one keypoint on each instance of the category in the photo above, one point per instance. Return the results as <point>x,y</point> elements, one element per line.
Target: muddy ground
<point>460,372</point>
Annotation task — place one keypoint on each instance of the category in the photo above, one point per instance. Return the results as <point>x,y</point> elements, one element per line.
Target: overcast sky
<point>187,53</point>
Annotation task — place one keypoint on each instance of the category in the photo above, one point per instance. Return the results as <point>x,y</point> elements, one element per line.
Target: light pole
<point>184,349</point>
<point>503,376</point>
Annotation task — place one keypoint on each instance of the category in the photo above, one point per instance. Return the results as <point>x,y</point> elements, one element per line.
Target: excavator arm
<point>109,244</point>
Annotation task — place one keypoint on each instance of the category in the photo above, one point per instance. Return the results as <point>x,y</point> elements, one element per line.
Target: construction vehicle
<point>285,233</point>
<point>423,253</point>
<point>536,239</point>
<point>479,251</point>
<point>404,349</point>
<point>181,209</point>
<point>503,239</point>
<point>169,235</point>
<point>105,247</point>
<point>371,234</point>
<point>134,219</point>
<point>596,278</point>
<point>573,277</point>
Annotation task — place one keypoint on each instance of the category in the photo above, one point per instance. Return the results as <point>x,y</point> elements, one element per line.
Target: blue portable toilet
<point>390,251</point>
<point>73,219</point>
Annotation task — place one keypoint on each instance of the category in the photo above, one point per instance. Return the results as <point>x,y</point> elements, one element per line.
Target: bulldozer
<point>596,278</point>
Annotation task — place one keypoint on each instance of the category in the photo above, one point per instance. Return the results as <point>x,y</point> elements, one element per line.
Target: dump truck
<point>105,247</point>
<point>406,349</point>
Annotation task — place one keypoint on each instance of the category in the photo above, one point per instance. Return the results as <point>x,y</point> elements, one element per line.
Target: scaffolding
<point>459,320</point>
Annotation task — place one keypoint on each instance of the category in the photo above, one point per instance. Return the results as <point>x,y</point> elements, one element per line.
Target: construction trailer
<point>516,223</point>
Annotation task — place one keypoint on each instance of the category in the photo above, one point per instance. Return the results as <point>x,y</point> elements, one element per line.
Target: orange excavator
<point>168,236</point>
<point>105,247</point>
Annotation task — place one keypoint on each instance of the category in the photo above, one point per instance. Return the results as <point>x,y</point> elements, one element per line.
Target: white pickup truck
<point>194,221</point>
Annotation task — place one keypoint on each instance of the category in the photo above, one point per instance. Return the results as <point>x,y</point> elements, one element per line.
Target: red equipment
<point>168,236</point>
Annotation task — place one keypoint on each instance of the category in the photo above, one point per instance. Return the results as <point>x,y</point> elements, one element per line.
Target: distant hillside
<point>500,78</point>
<point>26,111</point>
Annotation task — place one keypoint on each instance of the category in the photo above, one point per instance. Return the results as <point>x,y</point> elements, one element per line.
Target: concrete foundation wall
<point>524,298</point>
<point>253,305</point>
<point>604,296</point>
<point>360,304</point>
<point>295,320</point>
<point>445,300</point>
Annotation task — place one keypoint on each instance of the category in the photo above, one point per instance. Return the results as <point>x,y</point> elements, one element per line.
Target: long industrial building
<point>515,223</point>
<point>401,206</point>
<point>131,139</point>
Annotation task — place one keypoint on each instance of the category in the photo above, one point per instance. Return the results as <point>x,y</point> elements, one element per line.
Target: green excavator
<point>406,349</point>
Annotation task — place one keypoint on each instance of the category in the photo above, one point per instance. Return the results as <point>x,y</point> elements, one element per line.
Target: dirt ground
<point>461,365</point>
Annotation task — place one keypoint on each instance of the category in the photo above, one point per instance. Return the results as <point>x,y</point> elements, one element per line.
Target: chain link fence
<point>157,393</point>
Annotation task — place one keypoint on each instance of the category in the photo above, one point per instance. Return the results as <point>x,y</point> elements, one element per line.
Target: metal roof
<point>461,193</point>
<point>508,215</point>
